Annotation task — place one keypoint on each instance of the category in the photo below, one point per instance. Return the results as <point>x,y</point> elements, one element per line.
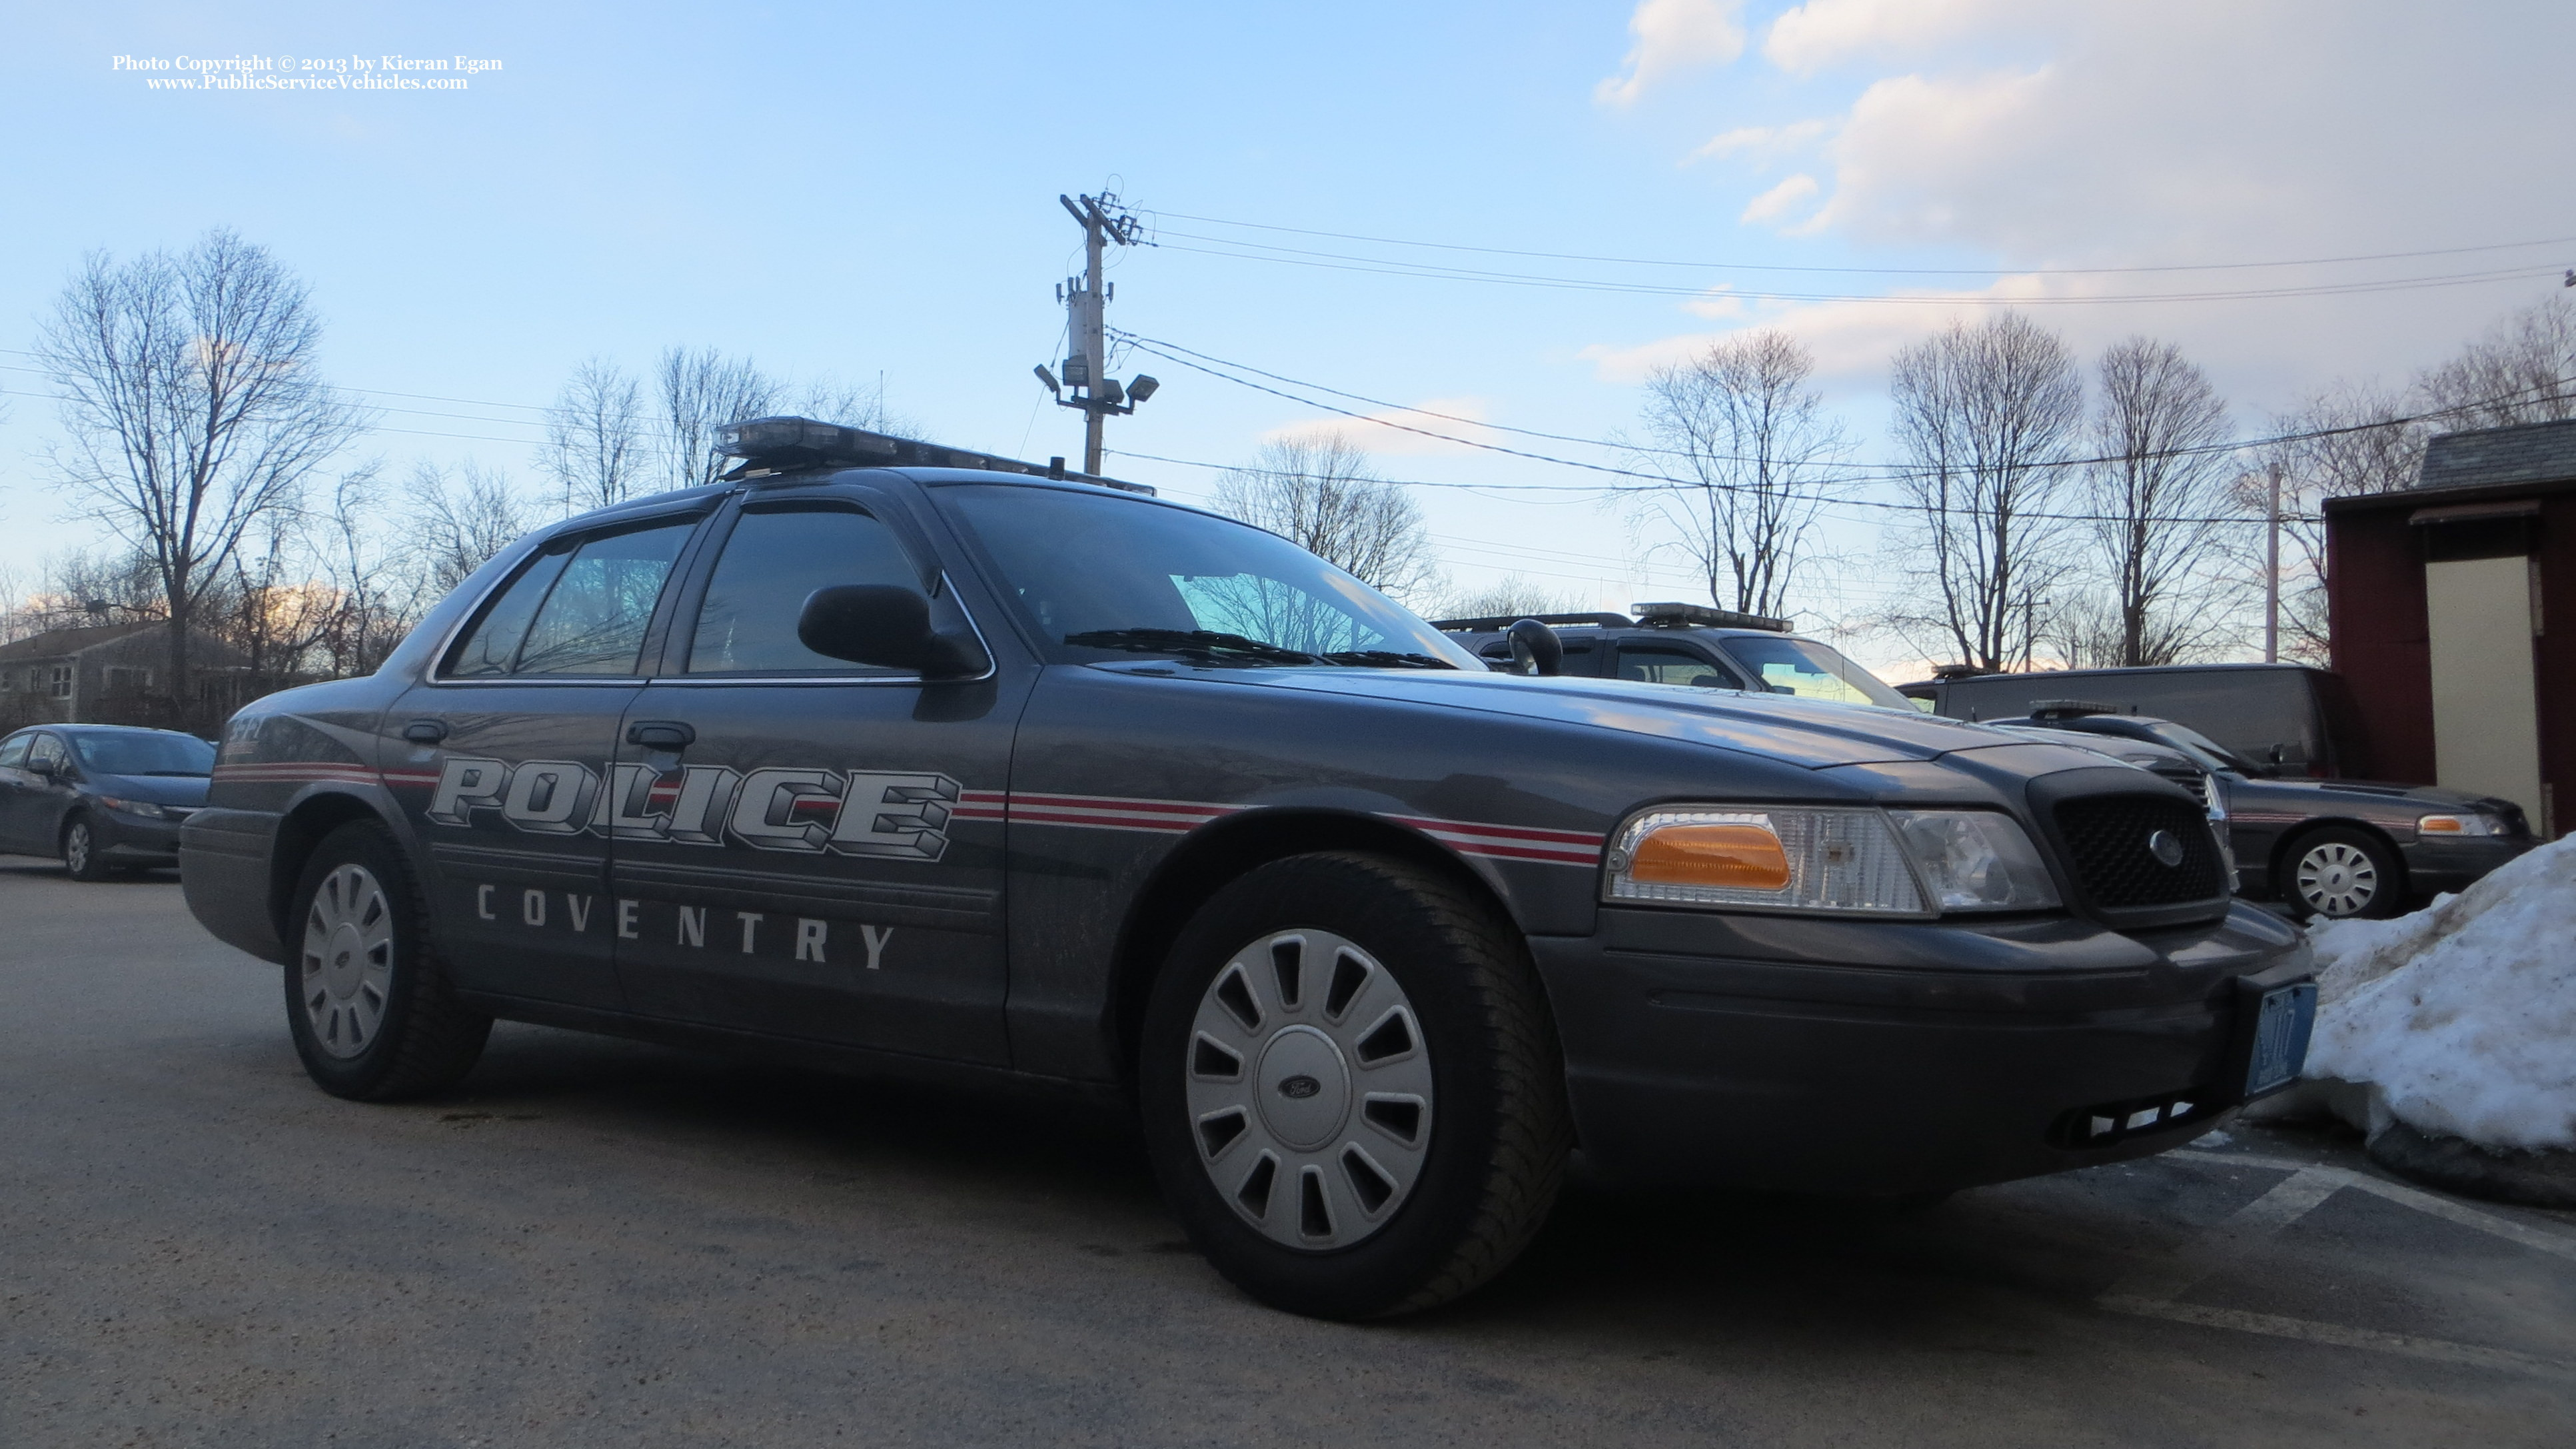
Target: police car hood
<point>1806,732</point>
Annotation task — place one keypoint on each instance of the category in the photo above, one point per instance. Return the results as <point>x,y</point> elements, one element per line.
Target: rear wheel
<point>1351,1087</point>
<point>367,999</point>
<point>2342,873</point>
<point>84,855</point>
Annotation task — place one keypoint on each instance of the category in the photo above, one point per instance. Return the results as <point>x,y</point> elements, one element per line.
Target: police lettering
<point>802,810</point>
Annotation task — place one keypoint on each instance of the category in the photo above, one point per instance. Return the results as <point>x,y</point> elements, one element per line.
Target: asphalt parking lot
<point>594,1242</point>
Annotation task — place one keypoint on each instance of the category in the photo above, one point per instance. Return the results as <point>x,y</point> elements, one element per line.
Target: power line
<point>1382,266</point>
<point>1872,271</point>
<point>1221,368</point>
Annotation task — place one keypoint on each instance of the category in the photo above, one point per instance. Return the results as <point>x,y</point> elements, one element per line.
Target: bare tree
<point>2522,371</point>
<point>460,521</point>
<point>1322,494</point>
<point>1987,415</point>
<point>2161,502</point>
<point>700,391</point>
<point>1749,430</point>
<point>2346,439</point>
<point>1511,594</point>
<point>193,408</point>
<point>594,446</point>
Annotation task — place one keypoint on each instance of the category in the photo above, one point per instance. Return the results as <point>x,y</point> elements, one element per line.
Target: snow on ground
<point>2463,1014</point>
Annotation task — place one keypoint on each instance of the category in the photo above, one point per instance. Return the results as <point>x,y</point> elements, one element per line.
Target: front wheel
<point>2340,874</point>
<point>1352,1090</point>
<point>84,855</point>
<point>367,999</point>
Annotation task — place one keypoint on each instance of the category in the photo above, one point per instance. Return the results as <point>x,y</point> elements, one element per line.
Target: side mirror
<point>41,767</point>
<point>1535,647</point>
<point>886,625</point>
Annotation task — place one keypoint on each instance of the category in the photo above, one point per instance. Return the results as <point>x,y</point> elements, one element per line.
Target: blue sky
<point>861,188</point>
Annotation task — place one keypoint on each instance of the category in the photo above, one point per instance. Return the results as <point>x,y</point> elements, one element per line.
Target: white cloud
<point>1760,143</point>
<point>1673,36</point>
<point>1807,38</point>
<point>1776,203</point>
<point>2189,133</point>
<point>1368,434</point>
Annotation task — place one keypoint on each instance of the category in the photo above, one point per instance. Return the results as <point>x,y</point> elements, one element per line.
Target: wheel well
<point>1228,849</point>
<point>303,829</point>
<point>2291,842</point>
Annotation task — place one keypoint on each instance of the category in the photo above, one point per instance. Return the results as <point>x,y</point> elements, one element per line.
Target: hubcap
<point>1309,1088</point>
<point>348,961</point>
<point>76,846</point>
<point>2336,879</point>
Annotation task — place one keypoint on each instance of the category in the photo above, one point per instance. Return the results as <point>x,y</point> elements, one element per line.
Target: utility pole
<point>1086,361</point>
<point>2272,572</point>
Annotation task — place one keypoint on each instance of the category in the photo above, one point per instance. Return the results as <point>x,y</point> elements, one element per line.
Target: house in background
<point>104,673</point>
<point>2440,598</point>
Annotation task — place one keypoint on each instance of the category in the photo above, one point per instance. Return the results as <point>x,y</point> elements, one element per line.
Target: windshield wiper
<point>1207,645</point>
<point>1385,659</point>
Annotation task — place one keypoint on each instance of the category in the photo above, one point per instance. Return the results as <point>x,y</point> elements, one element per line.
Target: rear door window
<point>13,752</point>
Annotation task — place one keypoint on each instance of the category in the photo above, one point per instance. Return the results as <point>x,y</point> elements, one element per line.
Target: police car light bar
<point>777,445</point>
<point>1682,616</point>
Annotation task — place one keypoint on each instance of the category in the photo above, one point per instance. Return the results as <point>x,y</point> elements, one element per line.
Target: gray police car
<point>884,757</point>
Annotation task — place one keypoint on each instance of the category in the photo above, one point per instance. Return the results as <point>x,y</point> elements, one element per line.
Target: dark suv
<point>103,798</point>
<point>881,757</point>
<point>1690,644</point>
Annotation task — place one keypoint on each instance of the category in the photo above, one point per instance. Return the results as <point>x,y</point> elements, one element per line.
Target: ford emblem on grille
<point>2166,847</point>
<point>1300,1087</point>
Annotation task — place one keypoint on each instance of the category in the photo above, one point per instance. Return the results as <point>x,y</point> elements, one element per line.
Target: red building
<point>2439,598</point>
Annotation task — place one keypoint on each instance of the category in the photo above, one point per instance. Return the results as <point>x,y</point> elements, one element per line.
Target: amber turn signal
<point>1740,857</point>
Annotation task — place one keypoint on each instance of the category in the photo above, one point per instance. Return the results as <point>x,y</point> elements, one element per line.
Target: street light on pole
<point>1086,363</point>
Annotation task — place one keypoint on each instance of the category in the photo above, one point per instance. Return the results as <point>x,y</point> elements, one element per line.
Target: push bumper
<point>1800,1055</point>
<point>2434,866</point>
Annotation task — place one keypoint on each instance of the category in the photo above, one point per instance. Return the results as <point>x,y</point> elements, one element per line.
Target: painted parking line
<point>2152,1290</point>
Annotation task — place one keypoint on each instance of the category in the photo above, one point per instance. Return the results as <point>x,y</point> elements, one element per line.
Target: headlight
<point>1975,860</point>
<point>2459,825</point>
<point>1798,859</point>
<point>144,809</point>
<point>1839,860</point>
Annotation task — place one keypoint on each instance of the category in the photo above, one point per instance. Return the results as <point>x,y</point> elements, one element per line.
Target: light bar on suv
<point>1684,616</point>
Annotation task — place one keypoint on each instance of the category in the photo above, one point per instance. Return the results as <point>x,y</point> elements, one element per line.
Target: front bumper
<point>1806,1055</point>
<point>128,840</point>
<point>2434,866</point>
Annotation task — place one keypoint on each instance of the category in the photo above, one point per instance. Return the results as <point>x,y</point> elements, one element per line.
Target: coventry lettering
<point>810,811</point>
<point>811,940</point>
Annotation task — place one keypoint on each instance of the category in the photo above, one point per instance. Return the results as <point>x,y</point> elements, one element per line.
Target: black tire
<point>84,857</point>
<point>2342,874</point>
<point>422,1038</point>
<point>1498,1130</point>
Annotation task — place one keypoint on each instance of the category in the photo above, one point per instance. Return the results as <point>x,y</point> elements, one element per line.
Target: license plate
<point>2281,1027</point>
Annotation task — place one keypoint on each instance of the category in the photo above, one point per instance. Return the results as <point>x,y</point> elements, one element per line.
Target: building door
<point>2486,707</point>
<point>788,825</point>
<point>510,742</point>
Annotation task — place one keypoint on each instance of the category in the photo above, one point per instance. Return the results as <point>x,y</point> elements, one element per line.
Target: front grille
<point>2108,845</point>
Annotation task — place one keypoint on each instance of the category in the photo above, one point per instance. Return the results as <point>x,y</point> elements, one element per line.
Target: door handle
<point>661,734</point>
<point>425,731</point>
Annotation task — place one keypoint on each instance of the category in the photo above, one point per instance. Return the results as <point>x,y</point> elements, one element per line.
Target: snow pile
<point>2463,1014</point>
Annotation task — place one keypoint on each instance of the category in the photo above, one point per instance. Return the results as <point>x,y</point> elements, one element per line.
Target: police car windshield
<point>2209,754</point>
<point>1099,575</point>
<point>1810,670</point>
